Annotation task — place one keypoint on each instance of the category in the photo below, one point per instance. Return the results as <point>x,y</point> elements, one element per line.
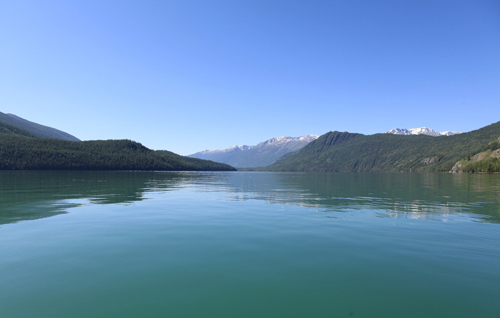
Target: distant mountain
<point>6,129</point>
<point>260,155</point>
<point>222,152</point>
<point>350,152</point>
<point>35,129</point>
<point>421,131</point>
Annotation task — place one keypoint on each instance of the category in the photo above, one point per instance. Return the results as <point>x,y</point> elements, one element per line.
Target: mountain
<point>20,150</point>
<point>421,131</point>
<point>260,155</point>
<point>35,129</point>
<point>350,152</point>
<point>6,129</point>
<point>219,153</point>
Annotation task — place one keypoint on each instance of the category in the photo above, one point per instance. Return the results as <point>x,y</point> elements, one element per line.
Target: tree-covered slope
<point>337,151</point>
<point>35,129</point>
<point>19,152</point>
<point>486,159</point>
<point>6,129</point>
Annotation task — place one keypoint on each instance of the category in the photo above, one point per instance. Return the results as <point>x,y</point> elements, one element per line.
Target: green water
<point>248,244</point>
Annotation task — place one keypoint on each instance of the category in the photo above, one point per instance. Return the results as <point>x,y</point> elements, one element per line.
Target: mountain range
<point>421,131</point>
<point>260,155</point>
<point>266,152</point>
<point>25,145</point>
<point>351,152</point>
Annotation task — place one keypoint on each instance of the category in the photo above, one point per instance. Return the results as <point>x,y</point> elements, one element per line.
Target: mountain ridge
<point>35,129</point>
<point>262,154</point>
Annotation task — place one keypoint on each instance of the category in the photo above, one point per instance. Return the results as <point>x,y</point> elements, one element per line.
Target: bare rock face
<point>458,167</point>
<point>430,160</point>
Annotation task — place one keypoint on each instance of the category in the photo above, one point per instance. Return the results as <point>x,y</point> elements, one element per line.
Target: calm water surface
<point>248,244</point>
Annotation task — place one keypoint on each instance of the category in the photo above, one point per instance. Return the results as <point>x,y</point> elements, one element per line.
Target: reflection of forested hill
<point>28,195</point>
<point>415,195</point>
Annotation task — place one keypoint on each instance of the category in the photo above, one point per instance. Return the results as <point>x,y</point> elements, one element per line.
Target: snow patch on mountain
<point>285,140</point>
<point>421,131</point>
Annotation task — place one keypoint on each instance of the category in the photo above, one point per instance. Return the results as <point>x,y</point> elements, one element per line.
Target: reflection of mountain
<point>416,196</point>
<point>28,195</point>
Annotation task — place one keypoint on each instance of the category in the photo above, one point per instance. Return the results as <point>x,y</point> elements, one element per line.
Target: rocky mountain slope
<point>486,159</point>
<point>259,155</point>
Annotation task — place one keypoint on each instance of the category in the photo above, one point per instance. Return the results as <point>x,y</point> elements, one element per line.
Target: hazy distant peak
<point>262,154</point>
<point>230,149</point>
<point>284,139</point>
<point>35,129</point>
<point>421,131</point>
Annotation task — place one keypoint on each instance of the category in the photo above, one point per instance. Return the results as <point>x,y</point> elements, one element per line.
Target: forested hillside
<point>486,159</point>
<point>6,129</point>
<point>337,151</point>
<point>35,129</point>
<point>22,152</point>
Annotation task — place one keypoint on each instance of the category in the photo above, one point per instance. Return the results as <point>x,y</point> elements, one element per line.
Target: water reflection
<point>415,196</point>
<point>28,195</point>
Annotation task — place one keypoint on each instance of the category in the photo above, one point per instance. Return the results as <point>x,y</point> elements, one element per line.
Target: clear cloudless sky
<point>192,75</point>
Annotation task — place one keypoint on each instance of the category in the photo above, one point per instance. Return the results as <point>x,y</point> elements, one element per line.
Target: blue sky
<point>193,75</point>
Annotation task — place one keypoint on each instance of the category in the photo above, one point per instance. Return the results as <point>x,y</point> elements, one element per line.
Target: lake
<point>249,244</point>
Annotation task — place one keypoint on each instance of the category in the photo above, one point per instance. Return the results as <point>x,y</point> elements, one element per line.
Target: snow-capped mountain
<point>449,133</point>
<point>294,142</point>
<point>421,131</point>
<point>259,155</point>
<point>222,151</point>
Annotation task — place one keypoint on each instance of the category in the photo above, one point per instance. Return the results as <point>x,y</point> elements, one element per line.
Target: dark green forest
<point>348,152</point>
<point>20,151</point>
